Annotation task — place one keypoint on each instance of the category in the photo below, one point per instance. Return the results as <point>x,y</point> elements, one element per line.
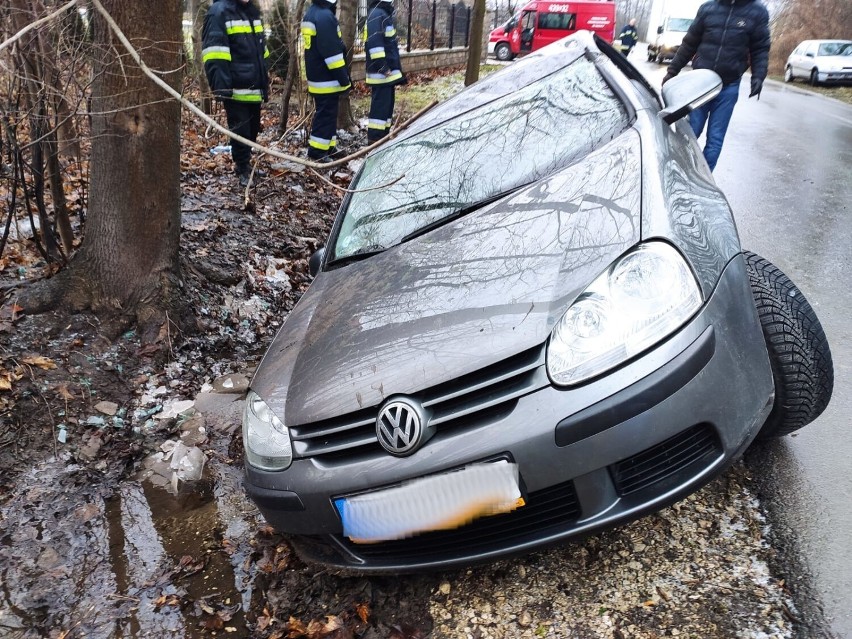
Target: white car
<point>820,61</point>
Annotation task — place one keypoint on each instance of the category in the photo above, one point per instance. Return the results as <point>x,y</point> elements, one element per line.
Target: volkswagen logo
<point>401,427</point>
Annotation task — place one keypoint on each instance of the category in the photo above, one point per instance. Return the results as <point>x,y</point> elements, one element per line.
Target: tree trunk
<point>474,52</point>
<point>197,10</point>
<point>292,64</point>
<point>128,263</point>
<point>348,25</point>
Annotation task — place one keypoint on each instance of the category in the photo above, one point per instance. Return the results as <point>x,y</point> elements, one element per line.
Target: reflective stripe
<point>265,52</point>
<point>258,26</point>
<point>237,26</point>
<point>320,143</point>
<point>332,86</point>
<point>335,61</point>
<point>377,52</point>
<point>309,28</point>
<point>339,32</point>
<point>380,78</point>
<point>215,53</point>
<point>390,32</point>
<point>381,125</point>
<point>248,95</point>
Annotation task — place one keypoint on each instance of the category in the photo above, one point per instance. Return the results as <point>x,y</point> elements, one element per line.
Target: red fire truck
<point>543,21</point>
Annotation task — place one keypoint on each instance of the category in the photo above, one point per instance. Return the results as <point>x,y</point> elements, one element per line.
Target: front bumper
<point>841,77</point>
<point>605,453</point>
<point>491,47</point>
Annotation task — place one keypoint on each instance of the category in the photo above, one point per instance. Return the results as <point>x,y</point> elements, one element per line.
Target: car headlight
<point>641,298</point>
<point>266,439</point>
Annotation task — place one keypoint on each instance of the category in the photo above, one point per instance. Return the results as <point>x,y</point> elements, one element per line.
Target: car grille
<point>550,508</point>
<point>466,402</point>
<point>697,445</point>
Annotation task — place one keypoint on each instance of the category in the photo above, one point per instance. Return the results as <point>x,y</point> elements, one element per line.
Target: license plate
<point>437,502</point>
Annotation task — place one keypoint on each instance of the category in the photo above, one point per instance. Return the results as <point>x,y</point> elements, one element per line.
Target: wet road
<point>787,171</point>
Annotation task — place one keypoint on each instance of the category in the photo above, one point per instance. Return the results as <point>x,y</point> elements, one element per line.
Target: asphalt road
<point>786,169</point>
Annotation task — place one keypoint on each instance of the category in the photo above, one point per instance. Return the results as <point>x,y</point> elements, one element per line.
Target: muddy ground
<point>96,542</point>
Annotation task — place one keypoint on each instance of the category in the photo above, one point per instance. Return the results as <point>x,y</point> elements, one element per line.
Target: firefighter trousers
<point>244,120</point>
<point>381,111</point>
<point>323,138</point>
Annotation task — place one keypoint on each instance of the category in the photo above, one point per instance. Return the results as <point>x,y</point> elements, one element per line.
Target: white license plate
<point>437,502</point>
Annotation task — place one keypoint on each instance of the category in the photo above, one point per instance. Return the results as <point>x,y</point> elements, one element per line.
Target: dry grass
<point>838,92</point>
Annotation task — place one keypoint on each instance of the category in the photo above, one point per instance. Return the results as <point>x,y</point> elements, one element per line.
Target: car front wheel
<point>799,354</point>
<point>788,74</point>
<point>814,77</point>
<point>503,52</point>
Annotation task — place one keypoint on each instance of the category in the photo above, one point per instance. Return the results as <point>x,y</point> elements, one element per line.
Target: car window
<point>563,21</point>
<point>835,48</point>
<point>679,24</point>
<point>493,149</point>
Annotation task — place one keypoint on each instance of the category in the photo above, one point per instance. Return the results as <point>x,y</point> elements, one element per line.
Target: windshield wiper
<point>457,214</point>
<point>360,254</point>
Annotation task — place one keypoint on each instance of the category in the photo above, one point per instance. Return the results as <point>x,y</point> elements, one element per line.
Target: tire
<point>503,52</point>
<point>788,74</point>
<point>651,55</point>
<point>799,354</point>
<point>814,80</point>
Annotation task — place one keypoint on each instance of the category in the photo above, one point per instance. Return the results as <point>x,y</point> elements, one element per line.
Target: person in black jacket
<point>234,54</point>
<point>325,67</point>
<point>726,36</point>
<point>384,70</point>
<point>628,37</point>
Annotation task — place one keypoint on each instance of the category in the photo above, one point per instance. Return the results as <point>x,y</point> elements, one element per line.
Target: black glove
<point>756,87</point>
<point>669,76</point>
<point>404,79</point>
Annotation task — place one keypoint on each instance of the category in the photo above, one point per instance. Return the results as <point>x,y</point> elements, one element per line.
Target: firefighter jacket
<point>325,54</point>
<point>628,36</point>
<point>234,51</point>
<point>380,45</point>
<point>727,36</point>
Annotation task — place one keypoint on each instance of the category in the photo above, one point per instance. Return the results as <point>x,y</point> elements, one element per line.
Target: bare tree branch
<point>37,23</point>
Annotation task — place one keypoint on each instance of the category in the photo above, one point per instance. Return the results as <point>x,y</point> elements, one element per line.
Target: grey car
<point>532,321</point>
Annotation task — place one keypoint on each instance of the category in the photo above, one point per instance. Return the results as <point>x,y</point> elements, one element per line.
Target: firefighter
<point>384,70</point>
<point>325,66</point>
<point>234,54</point>
<point>628,37</point>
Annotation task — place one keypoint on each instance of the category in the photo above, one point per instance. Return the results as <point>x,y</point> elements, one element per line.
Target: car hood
<point>461,297</point>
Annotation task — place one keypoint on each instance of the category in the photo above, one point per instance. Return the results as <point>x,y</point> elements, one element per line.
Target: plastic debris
<point>62,436</point>
<point>221,148</point>
<point>96,420</point>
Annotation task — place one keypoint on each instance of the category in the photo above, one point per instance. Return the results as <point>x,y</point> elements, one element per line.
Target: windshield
<point>493,149</point>
<point>679,24</point>
<point>835,48</point>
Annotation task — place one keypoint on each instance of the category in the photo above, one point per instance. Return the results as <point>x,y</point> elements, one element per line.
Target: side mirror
<point>315,262</point>
<point>685,93</point>
<point>660,30</point>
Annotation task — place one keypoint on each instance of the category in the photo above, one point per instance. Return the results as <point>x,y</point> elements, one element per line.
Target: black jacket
<point>325,53</point>
<point>727,36</point>
<point>380,45</point>
<point>234,51</point>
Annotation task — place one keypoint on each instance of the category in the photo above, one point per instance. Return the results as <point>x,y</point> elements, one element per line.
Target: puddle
<point>138,562</point>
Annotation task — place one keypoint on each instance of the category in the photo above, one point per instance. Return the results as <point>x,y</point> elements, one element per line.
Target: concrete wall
<point>417,61</point>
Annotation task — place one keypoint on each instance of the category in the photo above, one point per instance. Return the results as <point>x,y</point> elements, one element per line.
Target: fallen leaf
<point>42,362</point>
<point>363,611</point>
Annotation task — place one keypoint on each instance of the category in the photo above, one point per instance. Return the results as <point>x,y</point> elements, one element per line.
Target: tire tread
<point>799,353</point>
